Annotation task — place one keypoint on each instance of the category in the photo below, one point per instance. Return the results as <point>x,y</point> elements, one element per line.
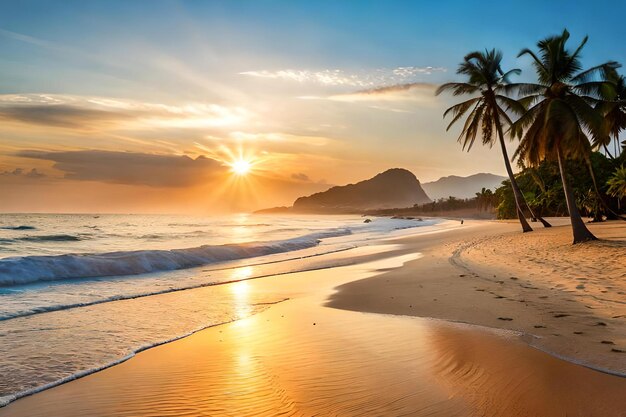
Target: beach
<point>456,321</point>
<point>568,300</point>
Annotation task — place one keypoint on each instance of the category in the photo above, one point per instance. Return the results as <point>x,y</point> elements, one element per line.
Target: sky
<point>143,106</point>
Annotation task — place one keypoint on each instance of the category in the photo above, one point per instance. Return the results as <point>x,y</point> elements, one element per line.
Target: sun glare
<point>241,167</point>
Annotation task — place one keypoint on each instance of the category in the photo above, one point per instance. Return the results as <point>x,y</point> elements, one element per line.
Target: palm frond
<point>603,72</point>
<point>468,135</point>
<point>511,104</point>
<point>457,88</point>
<point>539,66</point>
<point>459,110</point>
<point>523,89</point>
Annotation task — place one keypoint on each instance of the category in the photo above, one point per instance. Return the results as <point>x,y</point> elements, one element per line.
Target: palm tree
<point>617,183</point>
<point>561,112</point>
<point>488,109</point>
<point>614,118</point>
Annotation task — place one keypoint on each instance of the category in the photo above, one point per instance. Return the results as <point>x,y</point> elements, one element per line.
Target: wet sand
<point>568,300</point>
<point>300,357</point>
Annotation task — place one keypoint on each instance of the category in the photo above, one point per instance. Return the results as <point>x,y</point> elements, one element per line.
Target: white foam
<point>29,269</point>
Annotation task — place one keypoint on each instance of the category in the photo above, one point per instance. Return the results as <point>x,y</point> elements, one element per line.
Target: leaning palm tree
<point>487,110</point>
<point>561,113</point>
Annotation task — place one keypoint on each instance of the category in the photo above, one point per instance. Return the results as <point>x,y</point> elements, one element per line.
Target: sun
<point>241,166</point>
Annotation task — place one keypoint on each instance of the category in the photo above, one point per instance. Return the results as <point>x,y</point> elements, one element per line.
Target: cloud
<point>338,77</point>
<point>131,168</point>
<point>59,115</point>
<point>281,138</point>
<point>301,177</point>
<point>19,172</point>
<point>410,94</point>
<point>85,113</point>
<point>398,88</point>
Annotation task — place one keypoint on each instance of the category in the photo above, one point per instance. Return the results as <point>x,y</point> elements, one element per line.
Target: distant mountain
<point>461,187</point>
<point>393,188</point>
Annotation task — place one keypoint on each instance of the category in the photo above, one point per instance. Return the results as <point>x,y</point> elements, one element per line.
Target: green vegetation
<point>561,119</point>
<point>543,189</point>
<point>617,184</point>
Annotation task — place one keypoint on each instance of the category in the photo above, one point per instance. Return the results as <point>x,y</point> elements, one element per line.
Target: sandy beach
<point>452,323</point>
<point>569,300</point>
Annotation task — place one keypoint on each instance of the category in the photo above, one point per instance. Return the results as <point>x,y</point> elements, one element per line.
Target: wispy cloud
<point>420,94</point>
<point>278,137</point>
<point>85,113</point>
<point>130,168</point>
<point>338,77</point>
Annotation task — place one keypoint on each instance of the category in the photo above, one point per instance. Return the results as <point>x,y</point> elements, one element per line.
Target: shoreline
<point>477,285</point>
<point>336,297</point>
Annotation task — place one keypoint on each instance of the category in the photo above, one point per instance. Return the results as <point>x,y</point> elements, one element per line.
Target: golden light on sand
<point>241,274</point>
<point>241,166</point>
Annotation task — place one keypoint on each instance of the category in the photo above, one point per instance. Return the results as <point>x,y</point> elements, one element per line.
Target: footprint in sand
<point>539,326</point>
<point>607,342</point>
<point>558,316</point>
<point>505,318</point>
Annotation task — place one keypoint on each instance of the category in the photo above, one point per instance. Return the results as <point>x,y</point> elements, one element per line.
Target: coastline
<point>515,281</point>
<point>402,285</point>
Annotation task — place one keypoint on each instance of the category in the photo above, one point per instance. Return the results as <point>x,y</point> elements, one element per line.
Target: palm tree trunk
<point>543,221</point>
<point>542,186</point>
<point>517,194</point>
<point>580,231</point>
<point>610,213</point>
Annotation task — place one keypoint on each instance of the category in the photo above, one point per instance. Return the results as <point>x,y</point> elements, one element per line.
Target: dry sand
<point>302,358</point>
<point>569,300</point>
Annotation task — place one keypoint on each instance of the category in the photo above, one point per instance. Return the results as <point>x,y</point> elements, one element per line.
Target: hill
<point>461,187</point>
<point>395,187</point>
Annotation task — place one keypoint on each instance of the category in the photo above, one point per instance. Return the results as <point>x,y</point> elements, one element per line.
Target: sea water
<point>82,292</point>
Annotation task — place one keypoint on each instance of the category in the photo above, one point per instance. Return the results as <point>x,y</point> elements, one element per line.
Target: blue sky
<point>311,33</point>
<point>283,81</point>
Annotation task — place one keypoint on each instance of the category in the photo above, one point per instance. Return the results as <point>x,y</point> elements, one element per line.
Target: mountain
<point>393,188</point>
<point>461,187</point>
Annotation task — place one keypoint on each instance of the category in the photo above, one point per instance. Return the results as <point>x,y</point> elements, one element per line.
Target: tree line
<point>558,121</point>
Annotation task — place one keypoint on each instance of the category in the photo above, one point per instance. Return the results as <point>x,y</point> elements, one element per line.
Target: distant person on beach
<point>461,221</point>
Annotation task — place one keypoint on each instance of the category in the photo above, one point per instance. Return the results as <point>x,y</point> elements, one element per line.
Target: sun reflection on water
<point>241,291</point>
<point>242,273</point>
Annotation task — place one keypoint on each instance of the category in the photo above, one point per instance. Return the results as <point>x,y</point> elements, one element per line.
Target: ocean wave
<point>160,236</point>
<point>18,227</point>
<point>30,269</point>
<point>51,238</point>
<point>119,297</point>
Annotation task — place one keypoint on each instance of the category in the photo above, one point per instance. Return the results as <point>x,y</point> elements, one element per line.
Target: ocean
<point>81,292</point>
